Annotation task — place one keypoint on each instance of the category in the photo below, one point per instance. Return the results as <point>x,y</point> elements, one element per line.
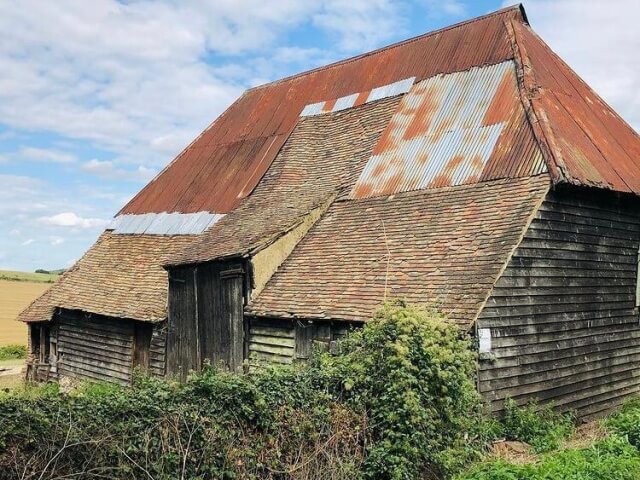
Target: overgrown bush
<point>398,403</point>
<point>413,374</point>
<point>539,426</point>
<point>13,352</point>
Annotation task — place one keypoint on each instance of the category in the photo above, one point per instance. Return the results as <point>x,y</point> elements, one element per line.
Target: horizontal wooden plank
<point>93,371</point>
<point>590,211</point>
<point>577,237</point>
<point>559,327</point>
<point>548,254</point>
<point>95,364</point>
<point>523,310</point>
<point>552,270</point>
<point>568,218</point>
<point>581,228</point>
<point>100,354</point>
<point>97,341</point>
<point>98,334</point>
<point>570,245</point>
<point>261,357</point>
<point>565,291</point>
<point>534,353</point>
<point>273,332</point>
<point>528,281</point>
<point>276,341</point>
<point>559,375</point>
<point>496,370</point>
<point>283,351</point>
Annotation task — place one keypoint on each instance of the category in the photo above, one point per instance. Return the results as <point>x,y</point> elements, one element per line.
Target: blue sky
<point>96,97</point>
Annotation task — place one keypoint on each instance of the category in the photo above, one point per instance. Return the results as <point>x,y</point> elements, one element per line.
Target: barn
<point>469,167</point>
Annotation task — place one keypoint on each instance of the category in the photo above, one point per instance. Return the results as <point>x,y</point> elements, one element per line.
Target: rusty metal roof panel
<point>588,143</point>
<point>216,171</point>
<point>446,131</point>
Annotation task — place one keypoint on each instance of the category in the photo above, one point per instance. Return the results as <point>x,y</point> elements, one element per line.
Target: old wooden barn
<point>469,167</point>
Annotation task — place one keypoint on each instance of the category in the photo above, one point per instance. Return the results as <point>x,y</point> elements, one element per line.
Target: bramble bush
<point>399,402</point>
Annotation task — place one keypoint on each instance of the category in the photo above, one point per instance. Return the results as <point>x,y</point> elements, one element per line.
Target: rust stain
<point>273,110</point>
<point>329,104</point>
<point>361,98</point>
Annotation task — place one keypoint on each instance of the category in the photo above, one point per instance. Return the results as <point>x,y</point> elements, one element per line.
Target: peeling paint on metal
<point>163,223</point>
<point>445,131</point>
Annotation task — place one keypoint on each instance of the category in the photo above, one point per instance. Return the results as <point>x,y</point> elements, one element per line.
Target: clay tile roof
<point>446,246</point>
<point>119,276</point>
<point>322,157</point>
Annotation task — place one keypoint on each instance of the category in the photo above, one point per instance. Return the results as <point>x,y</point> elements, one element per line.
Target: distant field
<point>28,276</point>
<point>15,296</point>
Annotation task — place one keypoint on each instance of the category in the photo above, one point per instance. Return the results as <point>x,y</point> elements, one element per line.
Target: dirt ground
<point>14,297</point>
<point>11,373</point>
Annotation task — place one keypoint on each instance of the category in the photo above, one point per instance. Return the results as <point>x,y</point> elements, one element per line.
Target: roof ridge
<point>549,152</point>
<point>516,7</point>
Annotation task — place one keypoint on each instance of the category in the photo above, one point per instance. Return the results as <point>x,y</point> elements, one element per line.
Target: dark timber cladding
<point>205,316</point>
<point>563,316</point>
<point>94,349</point>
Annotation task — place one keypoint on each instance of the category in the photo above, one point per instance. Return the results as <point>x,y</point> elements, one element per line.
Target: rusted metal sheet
<point>589,143</point>
<point>227,160</point>
<point>446,131</point>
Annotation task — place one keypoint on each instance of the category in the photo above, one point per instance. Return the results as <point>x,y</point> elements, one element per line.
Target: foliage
<point>626,422</point>
<point>398,403</point>
<point>413,375</point>
<point>539,426</point>
<point>13,352</point>
<point>613,458</point>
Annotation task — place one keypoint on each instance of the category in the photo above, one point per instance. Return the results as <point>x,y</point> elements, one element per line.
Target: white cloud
<point>54,241</point>
<point>45,155</point>
<point>70,219</point>
<point>29,241</point>
<point>360,24</point>
<point>107,169</point>
<point>600,41</point>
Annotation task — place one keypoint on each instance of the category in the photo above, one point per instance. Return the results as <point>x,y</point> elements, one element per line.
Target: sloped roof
<point>119,276</point>
<point>446,246</point>
<point>225,163</point>
<point>322,157</point>
<point>481,102</point>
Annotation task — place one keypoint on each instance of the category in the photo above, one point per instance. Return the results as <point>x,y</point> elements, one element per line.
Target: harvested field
<point>15,296</point>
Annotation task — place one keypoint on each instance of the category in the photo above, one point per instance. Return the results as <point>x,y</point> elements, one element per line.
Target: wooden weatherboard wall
<point>562,322</point>
<point>95,348</point>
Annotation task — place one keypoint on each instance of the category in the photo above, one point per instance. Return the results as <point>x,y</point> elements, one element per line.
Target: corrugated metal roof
<point>357,99</point>
<point>163,223</point>
<point>224,164</point>
<point>587,142</point>
<point>445,132</point>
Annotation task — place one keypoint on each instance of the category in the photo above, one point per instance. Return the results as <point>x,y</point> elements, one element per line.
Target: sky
<point>96,97</point>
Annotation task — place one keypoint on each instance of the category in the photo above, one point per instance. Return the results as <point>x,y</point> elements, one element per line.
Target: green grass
<point>28,276</point>
<point>13,352</point>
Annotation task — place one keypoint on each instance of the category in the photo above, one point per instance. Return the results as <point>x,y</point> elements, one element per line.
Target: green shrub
<point>399,403</point>
<point>413,375</point>
<point>539,426</point>
<point>613,458</point>
<point>13,352</point>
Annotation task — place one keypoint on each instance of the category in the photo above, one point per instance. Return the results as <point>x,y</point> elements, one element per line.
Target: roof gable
<point>585,142</point>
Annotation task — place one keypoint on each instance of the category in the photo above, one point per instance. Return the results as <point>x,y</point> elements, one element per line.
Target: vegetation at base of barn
<point>399,402</point>
<point>612,458</point>
<point>539,426</point>
<point>613,454</point>
<point>13,352</point>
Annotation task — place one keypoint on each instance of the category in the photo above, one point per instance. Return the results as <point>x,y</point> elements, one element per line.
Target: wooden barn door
<point>182,334</point>
<point>220,317</point>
